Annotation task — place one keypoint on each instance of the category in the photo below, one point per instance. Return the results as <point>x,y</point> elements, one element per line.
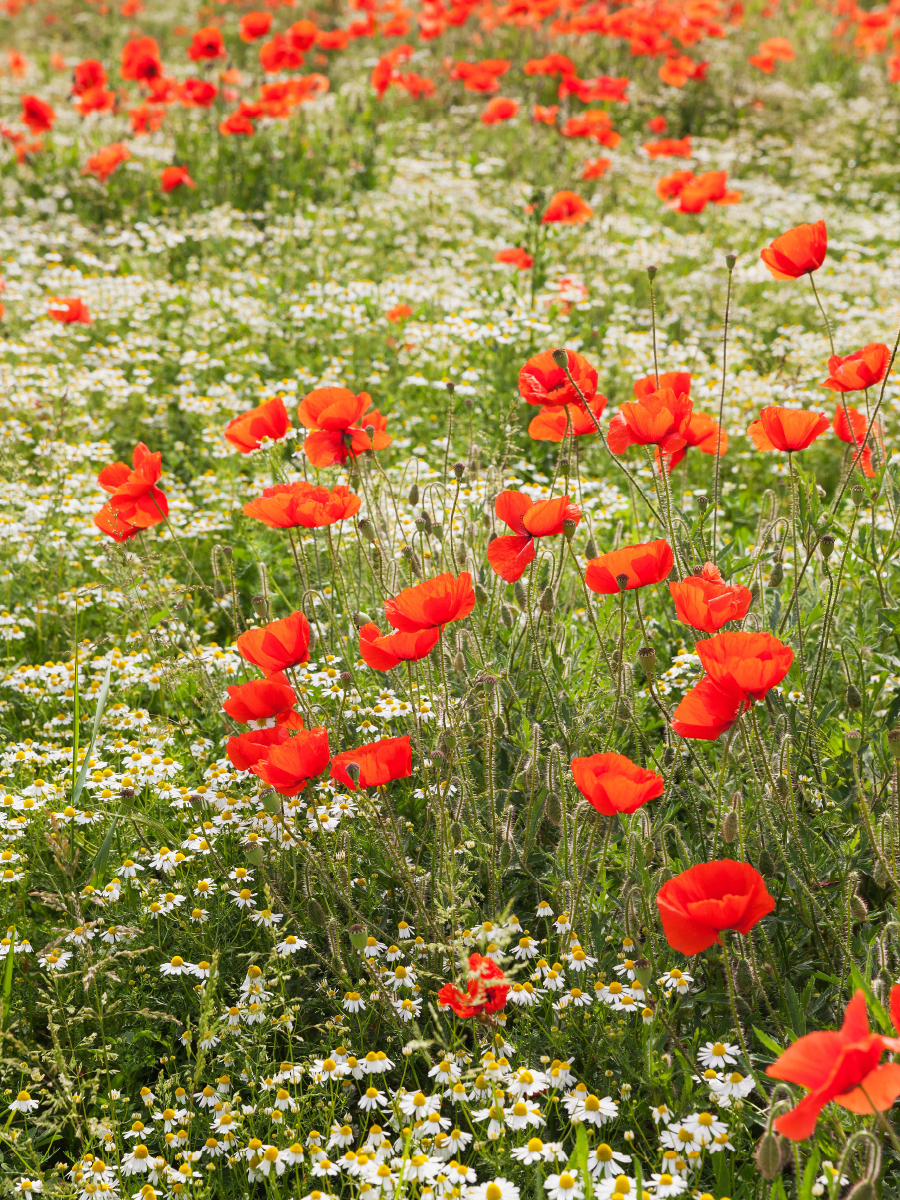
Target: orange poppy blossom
<point>510,554</point>
<point>245,750</point>
<point>644,564</point>
<point>207,43</point>
<point>379,763</point>
<point>860,370</point>
<point>135,502</point>
<point>542,381</point>
<point>740,668</point>
<point>851,427</point>
<point>799,251</point>
<point>595,168</point>
<point>668,148</point>
<point>706,602</point>
<point>398,313</point>
<point>87,76</point>
<point>102,164</point>
<point>197,93</point>
<point>614,784</point>
<point>290,765</point>
<point>334,414</point>
<point>267,422</point>
<point>701,430</point>
<point>383,652</point>
<point>566,208</point>
<point>254,25</point>
<point>277,646</point>
<point>697,905</point>
<point>263,700</point>
<point>486,990</point>
<point>69,310</point>
<point>550,423</point>
<point>543,114</point>
<point>174,177</point>
<point>432,604</point>
<point>789,429</point>
<point>655,418</point>
<point>499,109</point>
<point>301,504</point>
<point>140,60</point>
<point>516,257</point>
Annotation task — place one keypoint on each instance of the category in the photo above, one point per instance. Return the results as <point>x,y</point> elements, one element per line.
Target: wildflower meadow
<point>449,599</point>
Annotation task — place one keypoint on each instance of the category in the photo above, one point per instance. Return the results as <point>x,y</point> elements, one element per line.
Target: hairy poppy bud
<point>459,469</point>
<point>499,727</point>
<point>366,528</point>
<point>459,663</point>
<point>552,808</point>
<point>766,863</point>
<point>826,545</point>
<point>743,976</point>
<point>361,618</point>
<point>624,712</point>
<point>521,596</point>
<point>456,833</point>
<point>768,1154</point>
<point>651,273</point>
<point>316,913</point>
<point>622,581</point>
<point>893,741</point>
<point>561,357</point>
<point>730,826</point>
<point>864,1190</point>
<point>730,260</point>
<point>703,503</point>
<point>647,659</point>
<point>853,698</point>
<point>260,606</point>
<point>859,910</point>
<point>569,528</point>
<point>426,521</point>
<point>358,936</point>
<point>413,496</point>
<point>219,589</point>
<point>546,600</point>
<point>507,616</point>
<point>783,785</point>
<point>853,740</point>
<point>481,596</point>
<point>857,494</point>
<point>590,549</point>
<point>777,574</point>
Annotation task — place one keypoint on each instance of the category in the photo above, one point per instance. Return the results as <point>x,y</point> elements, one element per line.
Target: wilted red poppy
<point>134,497</point>
<point>790,429</point>
<point>511,554</point>
<point>699,903</point>
<point>658,419</point>
<point>706,602</point>
<point>644,564</point>
<point>290,765</point>
<point>486,990</point>
<point>747,663</point>
<point>278,645</point>
<point>173,177</point>
<point>140,60</point>
<point>853,431</point>
<point>595,168</point>
<point>379,763</point>
<point>262,700</point>
<point>550,423</point>
<point>541,381</point>
<point>614,784</point>
<point>69,310</point>
<point>840,1066</point>
<point>37,114</point>
<point>207,43</point>
<point>499,109</point>
<point>516,257</point>
<point>567,208</point>
<point>247,749</point>
<point>338,419</point>
<point>708,710</point>
<point>858,371</point>
<point>797,252</point>
<point>384,652</point>
<point>102,164</point>
<point>254,25</point>
<point>268,421</point>
<point>289,505</point>
<point>432,604</point>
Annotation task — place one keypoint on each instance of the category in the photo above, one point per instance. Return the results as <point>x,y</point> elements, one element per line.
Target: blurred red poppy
<point>499,109</point>
<point>303,35</point>
<point>37,114</point>
<point>432,604</point>
<point>669,148</point>
<point>247,749</point>
<point>198,93</point>
<point>207,43</point>
<point>69,310</point>
<point>550,423</point>
<point>853,431</point>
<point>290,765</point>
<point>398,313</point>
<point>292,505</point>
<point>277,646</point>
<point>706,602</point>
<point>644,564</point>
<point>102,164</point>
<point>140,60</point>
<point>516,257</point>
<point>174,177</point>
<point>87,76</point>
<point>799,251</point>
<point>566,208</point>
<point>237,124</point>
<point>544,114</point>
<point>699,903</point>
<point>510,555</point>
<point>279,55</point>
<point>268,421</point>
<point>486,990</point>
<point>541,381</point>
<point>860,370</point>
<point>379,763</point>
<point>262,700</point>
<point>614,784</point>
<point>254,25</point>
<point>658,124</point>
<point>595,168</point>
<point>134,497</point>
<point>656,419</point>
<point>788,429</point>
<point>384,652</point>
<point>339,420</point>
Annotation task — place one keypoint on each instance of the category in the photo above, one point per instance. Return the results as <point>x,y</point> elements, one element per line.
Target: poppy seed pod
<point>450,386</point>
<point>853,740</point>
<point>622,581</point>
<point>255,856</point>
<point>647,659</point>
<point>703,503</point>
<point>271,801</point>
<point>651,273</point>
<point>564,466</point>
<point>893,741</point>
<point>569,527</point>
<point>561,358</point>
<point>426,521</point>
<point>358,936</point>
<point>768,1154</point>
<point>361,618</point>
<point>826,545</point>
<point>352,769</point>
<point>366,528</point>
<point>260,606</point>
<point>459,469</point>
<point>643,972</point>
<point>857,494</point>
<point>730,260</point>
<point>853,698</point>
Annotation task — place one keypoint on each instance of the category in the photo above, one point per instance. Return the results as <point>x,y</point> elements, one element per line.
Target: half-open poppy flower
<point>269,420</point>
<point>566,208</point>
<point>707,602</point>
<point>511,554</point>
<point>278,645</point>
<point>289,505</point>
<point>708,710</point>
<point>790,429</point>
<point>384,652</point>
<point>858,371</point>
<point>853,431</point>
<point>432,604</point>
<point>614,784</point>
<point>290,765</point>
<point>699,903</point>
<point>542,382</point>
<point>134,496</point>
<point>338,419</point>
<point>550,423</point>
<point>842,1066</point>
<point>747,663</point>
<point>270,699</point>
<point>486,990</point>
<point>657,419</point>
<point>379,763</point>
<point>799,251</point>
<point>247,749</point>
<point>644,564</point>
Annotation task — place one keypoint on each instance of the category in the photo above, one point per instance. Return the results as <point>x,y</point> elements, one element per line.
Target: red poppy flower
<point>290,765</point>
<point>134,497</point>
<point>140,60</point>
<point>207,43</point>
<point>566,208</point>
<point>596,123</point>
<point>87,76</point>
<point>247,749</point>
<point>384,652</point>
<point>748,663</point>
<point>173,177</point>
<point>854,432</point>
<point>95,100</point>
<point>289,505</point>
<point>237,124</point>
<point>701,432</point>
<point>707,603</point>
<point>269,420</point>
<point>516,257</point>
<point>788,429</point>
<point>541,381</point>
<point>197,93</point>
<point>550,423</point>
<point>102,164</point>
<point>379,763</point>
<point>699,903</point>
<point>499,109</point>
<point>254,25</point>
<point>644,564</point>
<point>432,604</point>
<point>511,554</point>
<point>858,371</point>
<point>302,35</point>
<point>614,784</point>
<point>69,310</point>
<point>658,124</point>
<point>339,419</point>
<point>658,419</point>
<point>398,313</point>
<point>708,710</point>
<point>669,148</point>
<point>108,521</point>
<point>797,252</point>
<point>261,699</point>
<point>37,114</point>
<point>595,168</point>
<point>841,1066</point>
<point>486,990</point>
<point>278,645</point>
<point>543,114</point>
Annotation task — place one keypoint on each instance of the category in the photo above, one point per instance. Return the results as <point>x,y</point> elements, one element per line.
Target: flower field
<point>450,614</point>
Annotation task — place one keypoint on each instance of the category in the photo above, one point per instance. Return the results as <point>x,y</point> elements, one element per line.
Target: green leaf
<point>158,616</point>
<point>809,1175</point>
<point>7,980</point>
<point>798,1021</point>
<point>769,1043</point>
<point>875,1007</point>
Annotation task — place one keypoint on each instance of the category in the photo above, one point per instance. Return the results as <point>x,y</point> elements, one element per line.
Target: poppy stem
<point>651,275</point>
<point>729,262</point>
<point>795,531</point>
<point>732,1000</point>
<point>537,651</point>
<point>823,312</point>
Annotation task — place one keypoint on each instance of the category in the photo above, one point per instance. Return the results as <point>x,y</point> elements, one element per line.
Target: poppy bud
<point>826,545</point>
<point>743,976</point>
<point>316,913</point>
<point>730,260</point>
<point>857,494</point>
<point>777,574</point>
<point>449,739</point>
<point>766,863</point>
<point>366,528</point>
<point>552,808</point>
<point>352,769</point>
<point>361,618</point>
<point>358,936</point>
<point>864,1190</point>
<point>459,469</point>
<point>859,910</point>
<point>853,740</point>
<point>450,386</point>
<point>481,596</point>
<point>546,600</point>
<point>426,521</point>
<point>590,549</point>
<point>893,741</point>
<point>624,712</point>
<point>499,727</point>
<point>313,638</point>
<point>782,783</point>
<point>853,698</point>
<point>569,528</point>
<point>437,530</point>
<point>507,616</point>
<point>505,856</point>
<point>376,557</point>
<point>413,496</point>
<point>643,972</point>
<point>647,659</point>
<point>260,606</point>
<point>768,1154</point>
<point>255,856</point>
<point>521,596</point>
<point>730,826</point>
<point>456,833</point>
<point>561,358</point>
<point>622,581</point>
<point>219,589</point>
<point>703,503</point>
<point>754,591</point>
<point>459,663</point>
<point>651,273</point>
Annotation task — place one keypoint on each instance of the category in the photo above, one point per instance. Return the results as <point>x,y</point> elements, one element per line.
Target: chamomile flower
<point>676,981</point>
<point>717,1054</point>
<point>605,1162</point>
<point>497,1189</point>
<point>664,1184</point>
<point>565,1186</point>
